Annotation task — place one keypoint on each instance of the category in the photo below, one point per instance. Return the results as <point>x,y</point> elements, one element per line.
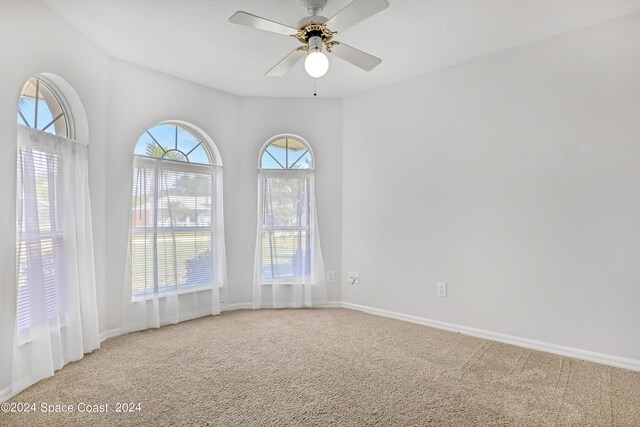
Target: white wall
<point>53,48</point>
<point>515,178</point>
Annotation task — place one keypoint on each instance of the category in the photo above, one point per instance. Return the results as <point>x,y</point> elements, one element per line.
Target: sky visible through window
<point>177,144</point>
<point>27,107</point>
<point>276,157</point>
<point>40,108</point>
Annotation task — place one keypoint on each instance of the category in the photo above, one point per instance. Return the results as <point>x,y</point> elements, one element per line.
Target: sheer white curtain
<point>176,264</point>
<point>56,310</point>
<point>289,270</point>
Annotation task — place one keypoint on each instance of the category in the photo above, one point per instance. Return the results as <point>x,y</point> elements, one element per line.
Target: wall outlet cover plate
<point>442,289</point>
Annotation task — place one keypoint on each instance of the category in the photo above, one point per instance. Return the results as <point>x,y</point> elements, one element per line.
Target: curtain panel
<point>56,319</point>
<point>176,263</point>
<point>288,266</point>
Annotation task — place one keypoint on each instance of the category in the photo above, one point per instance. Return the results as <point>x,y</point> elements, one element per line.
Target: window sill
<point>172,292</point>
<point>287,283</point>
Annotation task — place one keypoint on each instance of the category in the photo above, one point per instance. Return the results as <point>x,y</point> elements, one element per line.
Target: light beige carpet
<point>329,367</point>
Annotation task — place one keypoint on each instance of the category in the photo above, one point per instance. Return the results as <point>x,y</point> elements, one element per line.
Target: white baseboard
<point>110,334</point>
<point>6,394</point>
<point>237,306</point>
<point>333,304</point>
<point>249,306</point>
<point>620,362</point>
<point>189,315</point>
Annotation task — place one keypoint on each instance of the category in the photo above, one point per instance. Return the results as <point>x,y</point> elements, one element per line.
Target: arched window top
<point>42,107</point>
<point>176,141</point>
<point>286,152</point>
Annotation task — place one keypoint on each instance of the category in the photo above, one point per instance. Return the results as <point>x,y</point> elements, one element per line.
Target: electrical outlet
<point>442,289</point>
<point>331,276</point>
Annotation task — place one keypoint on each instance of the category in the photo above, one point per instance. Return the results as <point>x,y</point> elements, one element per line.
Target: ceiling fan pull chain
<point>315,91</point>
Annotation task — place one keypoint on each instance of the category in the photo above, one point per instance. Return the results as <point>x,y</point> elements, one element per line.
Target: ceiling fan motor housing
<point>315,44</point>
<point>313,6</point>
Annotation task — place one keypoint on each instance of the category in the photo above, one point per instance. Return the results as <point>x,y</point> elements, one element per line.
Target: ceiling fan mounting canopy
<point>314,7</point>
<point>316,32</point>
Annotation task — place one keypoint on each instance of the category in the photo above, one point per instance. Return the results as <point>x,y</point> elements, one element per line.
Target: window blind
<point>286,228</point>
<point>172,239</point>
<point>40,245</point>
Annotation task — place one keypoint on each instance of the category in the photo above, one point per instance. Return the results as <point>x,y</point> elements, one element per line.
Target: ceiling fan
<point>316,33</point>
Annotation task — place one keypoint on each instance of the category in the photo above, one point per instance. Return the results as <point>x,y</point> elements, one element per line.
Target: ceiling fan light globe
<point>316,64</point>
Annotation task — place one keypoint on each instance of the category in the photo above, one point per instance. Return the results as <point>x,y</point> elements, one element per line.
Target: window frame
<point>275,138</point>
<point>62,103</point>
<point>203,140</point>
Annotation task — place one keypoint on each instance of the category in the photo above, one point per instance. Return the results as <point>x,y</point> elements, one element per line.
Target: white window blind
<point>40,245</point>
<point>173,238</point>
<point>286,228</point>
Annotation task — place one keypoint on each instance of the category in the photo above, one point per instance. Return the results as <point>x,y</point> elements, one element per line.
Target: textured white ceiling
<point>193,40</point>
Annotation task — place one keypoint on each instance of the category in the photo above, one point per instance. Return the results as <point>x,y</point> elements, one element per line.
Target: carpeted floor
<point>329,367</point>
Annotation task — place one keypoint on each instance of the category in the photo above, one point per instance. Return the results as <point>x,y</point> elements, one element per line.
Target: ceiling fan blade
<point>281,68</point>
<point>356,11</point>
<point>253,21</point>
<point>356,57</point>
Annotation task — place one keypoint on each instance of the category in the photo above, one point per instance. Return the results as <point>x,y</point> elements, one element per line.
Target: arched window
<point>288,256</point>
<point>40,108</point>
<point>177,243</point>
<point>56,308</point>
<point>286,152</point>
<point>174,141</point>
